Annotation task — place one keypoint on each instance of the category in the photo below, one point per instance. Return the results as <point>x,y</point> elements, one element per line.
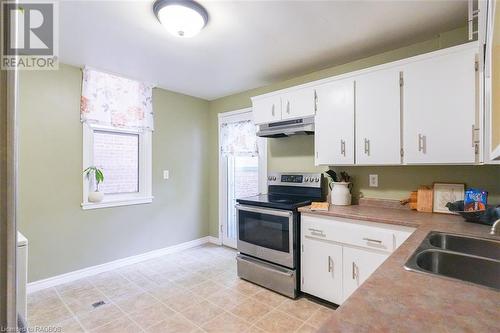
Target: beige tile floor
<point>196,290</point>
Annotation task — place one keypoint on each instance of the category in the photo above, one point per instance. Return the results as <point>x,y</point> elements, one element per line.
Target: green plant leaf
<point>99,176</point>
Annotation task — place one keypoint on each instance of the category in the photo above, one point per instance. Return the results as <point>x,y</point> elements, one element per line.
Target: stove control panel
<point>295,179</point>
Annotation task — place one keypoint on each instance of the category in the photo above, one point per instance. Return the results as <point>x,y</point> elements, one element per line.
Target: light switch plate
<point>373,180</point>
<point>166,174</point>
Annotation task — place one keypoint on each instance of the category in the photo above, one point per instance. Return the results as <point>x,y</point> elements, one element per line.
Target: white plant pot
<point>96,196</point>
<point>341,194</point>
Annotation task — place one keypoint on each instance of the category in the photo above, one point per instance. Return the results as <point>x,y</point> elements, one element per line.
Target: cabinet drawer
<point>313,227</point>
<point>351,232</point>
<point>370,237</point>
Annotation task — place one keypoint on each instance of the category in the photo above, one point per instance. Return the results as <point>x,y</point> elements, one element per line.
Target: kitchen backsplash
<point>395,182</point>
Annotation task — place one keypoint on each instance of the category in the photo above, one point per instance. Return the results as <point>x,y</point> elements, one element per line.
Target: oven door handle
<point>269,211</point>
<point>265,266</point>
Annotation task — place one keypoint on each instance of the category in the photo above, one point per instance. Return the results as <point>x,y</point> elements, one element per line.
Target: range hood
<point>286,128</point>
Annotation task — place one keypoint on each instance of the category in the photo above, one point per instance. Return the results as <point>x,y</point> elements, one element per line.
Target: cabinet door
<point>334,123</point>
<point>358,265</point>
<point>439,109</point>
<point>266,110</point>
<point>321,269</point>
<point>378,118</point>
<point>298,104</point>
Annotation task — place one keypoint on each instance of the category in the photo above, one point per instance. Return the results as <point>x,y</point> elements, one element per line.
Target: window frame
<point>144,195</point>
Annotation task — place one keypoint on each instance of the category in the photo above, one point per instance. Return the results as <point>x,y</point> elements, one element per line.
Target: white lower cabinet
<point>358,265</point>
<point>322,262</point>
<point>338,254</point>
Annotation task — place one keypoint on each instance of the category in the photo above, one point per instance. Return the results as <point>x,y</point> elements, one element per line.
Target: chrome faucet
<point>493,230</point>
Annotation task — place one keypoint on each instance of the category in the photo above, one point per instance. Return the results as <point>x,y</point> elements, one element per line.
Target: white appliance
<point>22,275</point>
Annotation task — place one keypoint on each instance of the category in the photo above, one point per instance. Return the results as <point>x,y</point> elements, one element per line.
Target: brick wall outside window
<point>118,155</point>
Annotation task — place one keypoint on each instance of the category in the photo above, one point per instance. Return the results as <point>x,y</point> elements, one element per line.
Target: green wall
<point>63,237</point>
<point>296,153</point>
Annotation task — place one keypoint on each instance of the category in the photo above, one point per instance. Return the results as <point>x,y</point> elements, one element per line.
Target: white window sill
<point>115,202</point>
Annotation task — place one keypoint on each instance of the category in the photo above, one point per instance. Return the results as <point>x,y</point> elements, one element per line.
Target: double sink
<point>472,259</point>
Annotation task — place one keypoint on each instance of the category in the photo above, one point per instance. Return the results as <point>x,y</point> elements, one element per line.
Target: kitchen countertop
<point>393,299</point>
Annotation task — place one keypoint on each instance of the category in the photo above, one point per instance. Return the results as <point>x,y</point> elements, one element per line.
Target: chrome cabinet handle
<point>342,147</point>
<point>473,137</point>
<point>317,232</point>
<point>288,107</point>
<point>315,100</point>
<point>272,110</point>
<point>355,272</point>
<point>331,266</point>
<point>372,240</point>
<point>367,146</point>
<point>422,143</point>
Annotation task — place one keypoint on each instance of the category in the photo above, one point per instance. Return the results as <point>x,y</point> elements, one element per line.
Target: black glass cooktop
<point>279,201</point>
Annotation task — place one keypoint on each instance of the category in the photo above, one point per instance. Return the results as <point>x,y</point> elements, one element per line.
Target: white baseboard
<point>214,240</point>
<point>93,270</point>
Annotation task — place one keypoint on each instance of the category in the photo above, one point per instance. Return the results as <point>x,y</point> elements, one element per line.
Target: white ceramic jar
<point>341,193</point>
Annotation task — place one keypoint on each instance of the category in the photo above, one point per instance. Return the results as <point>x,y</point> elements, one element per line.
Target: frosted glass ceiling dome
<point>182,18</point>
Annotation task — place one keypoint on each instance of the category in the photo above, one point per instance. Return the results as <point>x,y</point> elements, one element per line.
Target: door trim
<point>228,117</point>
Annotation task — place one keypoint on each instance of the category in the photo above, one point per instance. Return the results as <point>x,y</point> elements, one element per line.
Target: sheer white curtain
<point>240,165</point>
<point>239,138</point>
<point>111,100</point>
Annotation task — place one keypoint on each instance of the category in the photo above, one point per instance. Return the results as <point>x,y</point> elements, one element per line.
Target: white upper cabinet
<point>420,110</point>
<point>334,123</point>
<point>378,121</point>
<point>439,109</point>
<point>266,109</point>
<point>294,104</point>
<point>298,104</point>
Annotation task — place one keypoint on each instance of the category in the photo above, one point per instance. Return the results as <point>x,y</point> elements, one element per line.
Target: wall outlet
<point>373,180</point>
<point>166,174</point>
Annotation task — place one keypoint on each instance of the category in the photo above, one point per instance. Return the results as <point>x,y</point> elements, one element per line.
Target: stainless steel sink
<point>471,259</point>
<point>469,245</point>
<point>485,272</point>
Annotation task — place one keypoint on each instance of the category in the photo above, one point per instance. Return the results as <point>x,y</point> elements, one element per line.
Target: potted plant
<point>93,172</point>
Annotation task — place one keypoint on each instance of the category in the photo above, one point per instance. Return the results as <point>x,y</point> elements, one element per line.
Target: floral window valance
<point>115,101</point>
<point>239,138</point>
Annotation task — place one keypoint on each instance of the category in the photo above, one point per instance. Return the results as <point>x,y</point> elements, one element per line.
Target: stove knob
<point>311,179</point>
<point>269,178</point>
<point>274,177</point>
<point>316,180</point>
<point>306,179</point>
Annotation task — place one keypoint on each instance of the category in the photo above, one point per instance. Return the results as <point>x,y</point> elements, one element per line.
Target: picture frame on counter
<point>447,192</point>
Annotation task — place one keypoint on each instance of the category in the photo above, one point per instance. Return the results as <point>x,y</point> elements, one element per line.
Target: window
<point>118,156</point>
<point>124,155</point>
<point>118,120</point>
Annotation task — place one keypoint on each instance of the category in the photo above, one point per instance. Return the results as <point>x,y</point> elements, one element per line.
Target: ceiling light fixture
<point>182,18</point>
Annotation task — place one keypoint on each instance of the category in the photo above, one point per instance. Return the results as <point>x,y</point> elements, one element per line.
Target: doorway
<point>242,168</point>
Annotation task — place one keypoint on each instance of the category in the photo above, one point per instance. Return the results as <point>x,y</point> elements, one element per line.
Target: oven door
<point>267,234</point>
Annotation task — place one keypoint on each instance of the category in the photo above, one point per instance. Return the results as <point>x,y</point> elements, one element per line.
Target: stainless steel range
<point>268,230</point>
